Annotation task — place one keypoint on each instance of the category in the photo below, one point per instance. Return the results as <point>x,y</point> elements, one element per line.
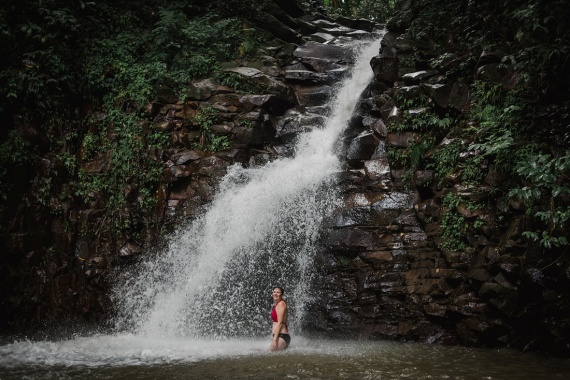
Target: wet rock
<point>377,169</point>
<point>401,139</point>
<point>362,147</point>
<point>424,177</point>
<point>99,164</point>
<point>331,53</point>
<point>417,77</point>
<point>459,96</point>
<point>186,156</point>
<point>204,89</point>
<point>166,125</point>
<point>385,69</point>
<point>294,122</point>
<point>380,128</point>
<point>304,76</point>
<point>165,94</point>
<point>440,93</point>
<point>432,287</point>
<point>273,85</point>
<point>493,72</point>
<point>313,96</point>
<point>361,24</point>
<point>130,249</point>
<point>351,217</point>
<point>376,257</point>
<point>209,166</point>
<point>278,29</point>
<point>351,240</point>
<point>435,309</point>
<point>395,201</point>
<point>321,37</point>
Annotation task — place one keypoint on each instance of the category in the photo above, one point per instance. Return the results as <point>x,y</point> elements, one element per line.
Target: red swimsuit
<point>274,316</point>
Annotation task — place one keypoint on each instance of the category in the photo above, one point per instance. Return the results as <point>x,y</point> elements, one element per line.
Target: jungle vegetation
<point>75,75</point>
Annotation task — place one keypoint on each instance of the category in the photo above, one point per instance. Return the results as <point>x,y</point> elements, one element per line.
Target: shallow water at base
<point>137,357</point>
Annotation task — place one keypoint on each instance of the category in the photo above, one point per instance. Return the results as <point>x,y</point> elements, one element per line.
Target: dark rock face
<point>386,273</point>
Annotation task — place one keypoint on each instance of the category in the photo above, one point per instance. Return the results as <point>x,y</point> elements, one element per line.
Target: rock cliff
<point>421,257</point>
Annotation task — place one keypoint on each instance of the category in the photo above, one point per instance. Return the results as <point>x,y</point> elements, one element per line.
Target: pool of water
<point>137,357</point>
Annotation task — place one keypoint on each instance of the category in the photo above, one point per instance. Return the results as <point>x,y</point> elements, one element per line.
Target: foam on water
<point>127,356</point>
<point>131,350</point>
<point>124,350</point>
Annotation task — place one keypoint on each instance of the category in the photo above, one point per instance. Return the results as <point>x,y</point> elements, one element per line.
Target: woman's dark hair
<point>282,291</point>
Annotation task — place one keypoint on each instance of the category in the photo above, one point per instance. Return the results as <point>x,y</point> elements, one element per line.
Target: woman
<point>281,337</point>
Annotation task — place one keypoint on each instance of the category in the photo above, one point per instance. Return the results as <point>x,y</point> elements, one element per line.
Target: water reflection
<point>132,357</point>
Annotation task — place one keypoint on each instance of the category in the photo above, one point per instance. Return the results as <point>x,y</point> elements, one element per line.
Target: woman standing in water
<point>281,337</point>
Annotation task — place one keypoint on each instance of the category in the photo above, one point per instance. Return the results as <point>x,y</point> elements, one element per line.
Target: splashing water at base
<point>259,232</point>
<point>127,356</point>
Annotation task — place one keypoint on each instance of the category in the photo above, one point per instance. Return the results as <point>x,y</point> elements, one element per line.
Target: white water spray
<point>259,232</point>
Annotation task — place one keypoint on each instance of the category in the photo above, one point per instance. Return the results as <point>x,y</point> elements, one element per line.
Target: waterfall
<point>260,231</point>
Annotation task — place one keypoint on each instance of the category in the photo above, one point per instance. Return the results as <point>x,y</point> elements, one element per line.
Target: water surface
<point>135,357</point>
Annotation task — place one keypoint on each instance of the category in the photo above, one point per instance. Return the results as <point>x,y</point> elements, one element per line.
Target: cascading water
<point>259,232</point>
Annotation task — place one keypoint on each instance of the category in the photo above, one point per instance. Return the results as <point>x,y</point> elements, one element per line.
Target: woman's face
<point>276,294</point>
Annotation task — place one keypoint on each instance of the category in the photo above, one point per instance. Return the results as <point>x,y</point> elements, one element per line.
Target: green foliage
<point>454,225</point>
<point>109,58</point>
<point>504,137</point>
<point>240,83</point>
<point>410,158</point>
<point>379,11</point>
<point>418,114</point>
<point>518,123</point>
<point>129,150</point>
<point>15,152</point>
<point>208,141</point>
<point>444,160</point>
<point>36,62</point>
<point>472,170</point>
<point>545,191</point>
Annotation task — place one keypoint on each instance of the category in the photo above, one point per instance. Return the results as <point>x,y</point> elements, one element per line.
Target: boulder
<point>304,76</point>
<point>377,169</point>
<point>396,201</point>
<point>321,37</point>
<point>385,69</point>
<point>272,85</point>
<point>129,249</point>
<point>459,96</point>
<point>204,89</point>
<point>439,93</point>
<point>401,139</point>
<point>362,147</point>
<point>294,121</point>
<point>185,156</point>
<point>349,217</point>
<point>314,96</point>
<point>278,29</point>
<point>418,76</point>
<point>319,51</point>
<point>361,24</point>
